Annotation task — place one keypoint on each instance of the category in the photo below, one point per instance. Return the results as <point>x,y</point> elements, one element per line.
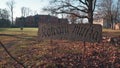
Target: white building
<point>102,22</point>
<point>117,26</point>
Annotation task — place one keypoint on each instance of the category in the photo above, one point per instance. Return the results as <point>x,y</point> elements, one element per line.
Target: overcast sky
<point>35,5</point>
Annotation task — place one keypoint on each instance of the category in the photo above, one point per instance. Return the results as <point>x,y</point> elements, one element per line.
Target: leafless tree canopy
<point>110,10</point>
<point>4,14</point>
<point>11,4</point>
<point>69,6</point>
<point>25,11</point>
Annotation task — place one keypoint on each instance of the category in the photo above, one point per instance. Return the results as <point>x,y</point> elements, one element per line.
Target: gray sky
<point>35,5</point>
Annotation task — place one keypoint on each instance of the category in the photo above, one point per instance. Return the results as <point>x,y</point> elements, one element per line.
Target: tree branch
<point>85,3</point>
<point>77,7</point>
<point>11,55</point>
<point>80,16</point>
<point>94,5</point>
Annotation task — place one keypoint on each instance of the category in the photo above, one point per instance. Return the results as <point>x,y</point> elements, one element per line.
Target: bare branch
<point>85,3</point>
<point>11,55</point>
<point>69,6</point>
<point>82,10</point>
<point>80,16</point>
<point>94,5</point>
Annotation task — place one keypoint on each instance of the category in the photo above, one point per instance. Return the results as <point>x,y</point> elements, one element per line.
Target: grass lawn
<point>61,54</point>
<point>110,32</point>
<point>28,31</point>
<point>33,31</point>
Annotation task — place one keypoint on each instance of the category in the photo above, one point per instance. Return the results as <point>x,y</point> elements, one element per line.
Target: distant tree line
<point>4,18</point>
<point>109,10</point>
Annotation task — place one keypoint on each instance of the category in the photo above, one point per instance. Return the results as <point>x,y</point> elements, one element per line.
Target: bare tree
<point>72,18</point>
<point>35,12</point>
<point>116,12</point>
<point>4,14</point>
<point>25,11</point>
<point>110,10</point>
<point>11,4</point>
<point>68,6</point>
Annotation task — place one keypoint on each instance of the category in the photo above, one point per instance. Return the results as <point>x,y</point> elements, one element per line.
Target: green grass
<point>33,31</point>
<point>28,31</point>
<point>110,32</point>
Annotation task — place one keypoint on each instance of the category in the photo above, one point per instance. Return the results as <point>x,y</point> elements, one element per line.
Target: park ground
<point>23,45</point>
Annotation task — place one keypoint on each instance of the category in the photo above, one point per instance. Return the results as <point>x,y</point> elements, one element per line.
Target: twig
<point>11,55</point>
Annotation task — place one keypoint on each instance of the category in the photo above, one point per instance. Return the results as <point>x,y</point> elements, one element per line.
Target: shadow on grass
<point>2,29</point>
<point>21,36</point>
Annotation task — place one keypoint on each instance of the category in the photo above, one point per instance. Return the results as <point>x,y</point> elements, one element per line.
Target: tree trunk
<point>12,17</point>
<point>90,13</point>
<point>112,22</point>
<point>90,18</point>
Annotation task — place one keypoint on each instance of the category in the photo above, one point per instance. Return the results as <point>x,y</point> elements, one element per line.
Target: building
<point>117,26</point>
<point>32,21</point>
<point>106,24</point>
<point>102,22</point>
